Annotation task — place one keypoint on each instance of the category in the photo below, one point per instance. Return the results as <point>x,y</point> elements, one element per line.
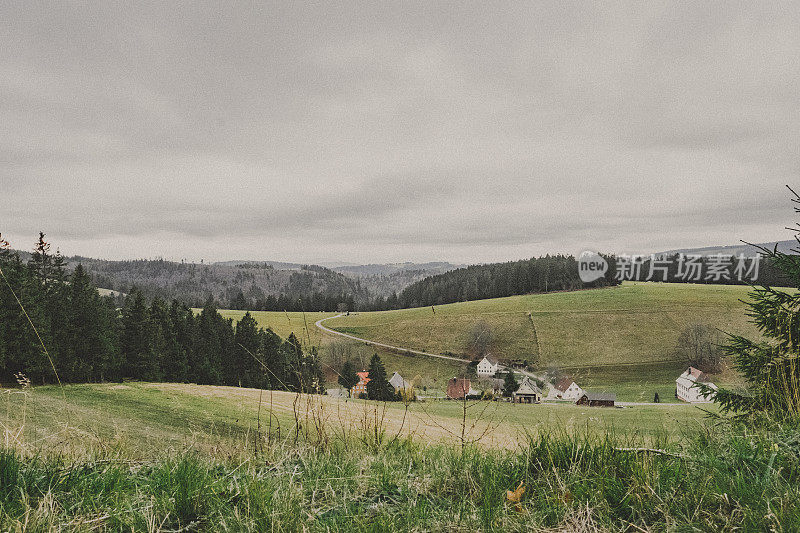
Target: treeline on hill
<point>710,269</point>
<point>248,286</point>
<point>497,280</point>
<point>88,339</point>
<point>560,272</point>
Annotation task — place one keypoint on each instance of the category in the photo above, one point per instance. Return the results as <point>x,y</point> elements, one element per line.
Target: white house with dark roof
<point>487,367</point>
<point>687,389</point>
<point>565,389</point>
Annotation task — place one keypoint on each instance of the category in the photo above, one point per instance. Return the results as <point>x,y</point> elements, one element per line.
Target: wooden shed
<point>597,399</point>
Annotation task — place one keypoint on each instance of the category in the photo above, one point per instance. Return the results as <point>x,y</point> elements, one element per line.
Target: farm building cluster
<point>489,381</point>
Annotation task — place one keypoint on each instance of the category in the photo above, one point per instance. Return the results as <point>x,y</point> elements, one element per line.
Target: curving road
<point>318,323</point>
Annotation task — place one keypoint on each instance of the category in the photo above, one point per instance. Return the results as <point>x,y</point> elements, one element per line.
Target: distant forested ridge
<point>256,286</point>
<point>240,285</point>
<point>276,286</point>
<point>560,272</point>
<point>497,280</point>
<point>88,339</point>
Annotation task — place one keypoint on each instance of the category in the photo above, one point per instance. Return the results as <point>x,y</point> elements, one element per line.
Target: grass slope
<point>160,457</point>
<point>434,372</point>
<point>632,324</point>
<point>144,418</point>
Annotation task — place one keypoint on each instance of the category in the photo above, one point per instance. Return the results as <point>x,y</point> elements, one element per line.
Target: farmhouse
<point>495,385</point>
<point>399,383</point>
<point>597,399</point>
<point>360,387</point>
<point>487,367</point>
<point>687,386</point>
<point>527,392</point>
<point>457,388</point>
<point>566,389</point>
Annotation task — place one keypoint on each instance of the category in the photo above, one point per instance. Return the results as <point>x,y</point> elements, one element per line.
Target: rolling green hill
<point>632,324</point>
<point>618,338</point>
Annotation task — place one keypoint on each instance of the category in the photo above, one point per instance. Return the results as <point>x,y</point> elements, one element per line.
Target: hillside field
<point>619,338</point>
<point>145,419</point>
<point>631,324</point>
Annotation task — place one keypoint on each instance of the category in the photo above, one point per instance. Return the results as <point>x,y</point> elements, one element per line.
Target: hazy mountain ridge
<point>230,281</point>
<point>788,247</point>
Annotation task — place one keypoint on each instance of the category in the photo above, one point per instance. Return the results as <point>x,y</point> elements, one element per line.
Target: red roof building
<point>457,388</point>
<point>360,387</point>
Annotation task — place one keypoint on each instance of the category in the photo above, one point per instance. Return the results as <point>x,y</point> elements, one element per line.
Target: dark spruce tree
<point>378,386</point>
<point>510,384</point>
<point>137,340</point>
<point>770,366</point>
<point>247,340</point>
<point>348,377</point>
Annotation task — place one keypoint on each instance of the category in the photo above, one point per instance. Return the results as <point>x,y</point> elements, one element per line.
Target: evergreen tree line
<point>88,339</point>
<point>560,272</point>
<point>496,280</point>
<point>311,302</point>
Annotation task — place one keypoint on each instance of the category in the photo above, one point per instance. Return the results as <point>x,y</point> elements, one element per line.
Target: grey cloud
<point>371,132</point>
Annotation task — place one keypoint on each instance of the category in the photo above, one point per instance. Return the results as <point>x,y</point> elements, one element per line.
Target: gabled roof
<point>600,396</point>
<point>492,361</point>
<point>564,383</point>
<point>497,383</point>
<point>363,376</point>
<point>398,382</point>
<point>528,387</point>
<point>695,374</point>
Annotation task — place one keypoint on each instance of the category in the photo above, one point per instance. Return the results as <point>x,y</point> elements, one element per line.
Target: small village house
<point>597,399</point>
<point>399,383</point>
<point>360,387</point>
<point>493,385</point>
<point>687,386</point>
<point>565,389</point>
<point>457,388</point>
<point>487,367</point>
<point>528,392</point>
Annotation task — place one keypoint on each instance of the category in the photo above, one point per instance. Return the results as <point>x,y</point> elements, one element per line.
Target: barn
<point>597,399</point>
<point>527,392</point>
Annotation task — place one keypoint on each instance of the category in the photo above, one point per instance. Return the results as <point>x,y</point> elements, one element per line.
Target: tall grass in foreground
<point>732,478</point>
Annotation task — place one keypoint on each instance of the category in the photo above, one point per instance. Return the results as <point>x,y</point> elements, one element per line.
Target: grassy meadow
<point>431,372</point>
<point>170,457</point>
<point>140,419</point>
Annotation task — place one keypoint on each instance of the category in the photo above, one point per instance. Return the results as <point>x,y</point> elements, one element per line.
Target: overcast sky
<point>378,132</point>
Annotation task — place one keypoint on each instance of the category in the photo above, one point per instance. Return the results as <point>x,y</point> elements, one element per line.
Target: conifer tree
<point>136,339</point>
<point>378,386</point>
<point>771,366</point>
<point>247,341</point>
<point>292,372</point>
<point>272,356</point>
<point>181,327</point>
<point>204,364</point>
<point>510,384</point>
<point>348,377</point>
<point>80,360</point>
